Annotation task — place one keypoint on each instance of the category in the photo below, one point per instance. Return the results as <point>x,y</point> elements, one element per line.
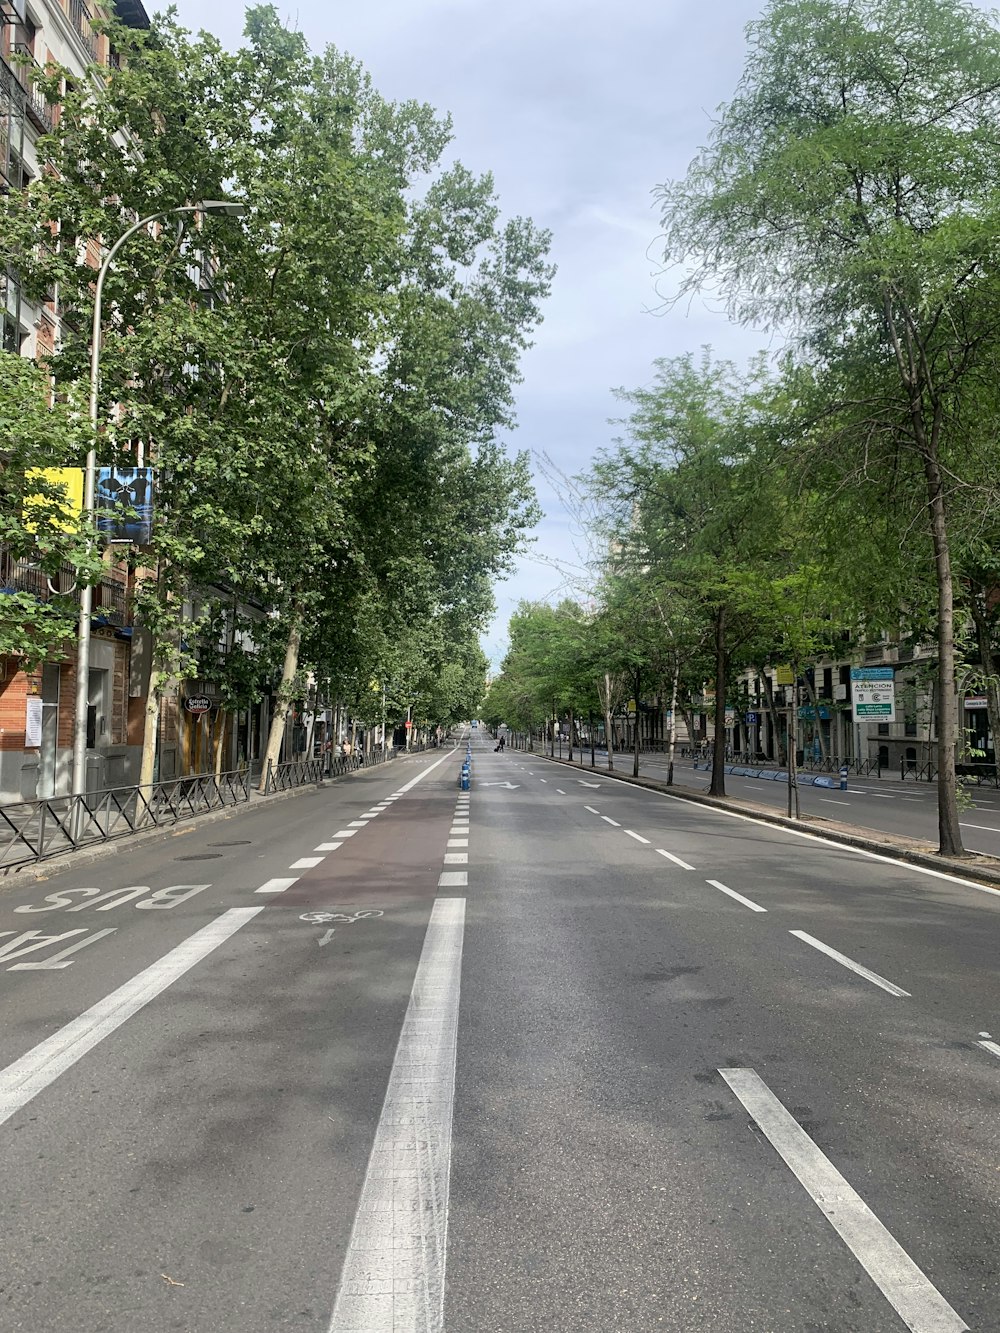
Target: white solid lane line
<point>306,863</point>
<point>676,859</point>
<point>908,1290</point>
<point>407,786</point>
<point>278,885</point>
<point>394,1272</point>
<point>849,962</point>
<point>985,828</point>
<point>638,837</point>
<point>42,1065</point>
<point>754,907</point>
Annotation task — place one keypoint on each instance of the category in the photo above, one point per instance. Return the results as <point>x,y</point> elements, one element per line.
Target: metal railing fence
<point>36,830</point>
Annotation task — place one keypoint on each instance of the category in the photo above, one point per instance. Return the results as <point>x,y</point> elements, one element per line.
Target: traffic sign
<point>751,719</point>
<point>873,691</point>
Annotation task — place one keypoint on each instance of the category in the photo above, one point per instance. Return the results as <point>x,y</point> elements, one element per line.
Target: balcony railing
<point>110,596</point>
<point>80,17</point>
<point>27,72</point>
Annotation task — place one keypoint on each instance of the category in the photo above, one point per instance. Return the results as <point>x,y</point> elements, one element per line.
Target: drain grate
<point>201,856</point>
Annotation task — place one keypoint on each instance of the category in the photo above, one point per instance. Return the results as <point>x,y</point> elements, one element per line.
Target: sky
<point>580,112</point>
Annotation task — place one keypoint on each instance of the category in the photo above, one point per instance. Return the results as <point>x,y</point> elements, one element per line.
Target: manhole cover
<point>244,842</point>
<point>202,856</point>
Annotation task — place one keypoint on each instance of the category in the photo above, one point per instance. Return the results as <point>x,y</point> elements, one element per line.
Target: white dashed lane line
<point>608,820</point>
<point>277,885</point>
<point>754,907</point>
<point>591,809</point>
<point>676,859</point>
<point>306,863</point>
<point>638,837</point>
<point>844,961</point>
<point>328,846</point>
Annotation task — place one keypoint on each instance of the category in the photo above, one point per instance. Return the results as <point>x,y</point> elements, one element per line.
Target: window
<point>883,728</point>
<point>910,727</point>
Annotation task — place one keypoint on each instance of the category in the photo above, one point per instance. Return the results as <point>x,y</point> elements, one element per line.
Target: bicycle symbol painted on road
<point>323,918</point>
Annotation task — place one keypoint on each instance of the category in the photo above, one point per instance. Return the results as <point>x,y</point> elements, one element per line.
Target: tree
<point>850,191</point>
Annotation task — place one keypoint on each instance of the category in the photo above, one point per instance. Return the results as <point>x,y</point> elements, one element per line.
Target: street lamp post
<point>228,209</point>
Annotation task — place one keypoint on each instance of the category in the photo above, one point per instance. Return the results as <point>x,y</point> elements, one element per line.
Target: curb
<point>34,870</point>
<point>971,869</point>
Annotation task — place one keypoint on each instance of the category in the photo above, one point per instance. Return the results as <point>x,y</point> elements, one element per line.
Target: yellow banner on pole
<point>784,675</point>
<point>48,511</point>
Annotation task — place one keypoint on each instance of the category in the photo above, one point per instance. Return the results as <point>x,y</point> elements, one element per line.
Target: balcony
<point>80,17</point>
<point>110,595</point>
<point>27,71</point>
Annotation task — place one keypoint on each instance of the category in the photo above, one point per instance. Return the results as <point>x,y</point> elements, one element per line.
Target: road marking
<point>591,809</point>
<point>560,791</point>
<point>55,962</point>
<point>638,837</point>
<point>990,1046</point>
<point>28,1076</point>
<point>608,820</point>
<point>676,859</point>
<point>849,962</point>
<point>328,846</point>
<point>832,844</point>
<point>754,907</point>
<point>915,1299</point>
<point>829,800</point>
<point>543,780</point>
<point>394,1273</point>
<point>750,786</point>
<point>457,842</point>
<point>456,858</point>
<point>453,879</point>
<point>277,885</point>
<point>408,786</point>
<point>306,863</point>
<point>345,833</point>
<point>358,823</point>
<point>986,828</point>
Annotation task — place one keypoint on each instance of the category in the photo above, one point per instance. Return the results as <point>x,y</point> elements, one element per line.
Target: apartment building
<point>37,709</point>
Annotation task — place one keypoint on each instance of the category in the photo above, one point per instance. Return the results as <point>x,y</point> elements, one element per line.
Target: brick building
<point>37,711</point>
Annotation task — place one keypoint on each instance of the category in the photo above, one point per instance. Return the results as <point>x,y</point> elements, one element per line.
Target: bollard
<point>843,777</point>
<point>466,780</point>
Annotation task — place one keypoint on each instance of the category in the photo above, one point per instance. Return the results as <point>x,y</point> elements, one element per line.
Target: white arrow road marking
<point>587,784</point>
<point>327,937</point>
<point>512,786</point>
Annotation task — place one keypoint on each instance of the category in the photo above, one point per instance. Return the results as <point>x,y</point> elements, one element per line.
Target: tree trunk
<point>817,723</point>
<point>221,718</point>
<point>718,784</point>
<point>150,731</point>
<point>673,730</point>
<point>775,720</point>
<point>990,682</point>
<point>949,832</point>
<point>793,777</point>
<point>288,671</point>
<point>593,755</point>
<point>635,730</point>
<point>571,735</point>
<point>609,735</point>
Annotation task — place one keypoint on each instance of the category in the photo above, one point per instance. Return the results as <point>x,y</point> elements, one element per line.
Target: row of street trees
<point>848,198</point>
<point>320,386</point>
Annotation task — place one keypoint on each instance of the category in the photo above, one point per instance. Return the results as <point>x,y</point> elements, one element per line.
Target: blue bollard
<point>466,780</point>
<point>843,777</point>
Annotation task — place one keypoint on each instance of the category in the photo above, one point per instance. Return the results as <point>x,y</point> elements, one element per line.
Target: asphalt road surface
<point>883,805</point>
<point>555,1054</point>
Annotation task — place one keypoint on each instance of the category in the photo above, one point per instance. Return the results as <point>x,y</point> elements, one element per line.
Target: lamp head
<point>226,207</point>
